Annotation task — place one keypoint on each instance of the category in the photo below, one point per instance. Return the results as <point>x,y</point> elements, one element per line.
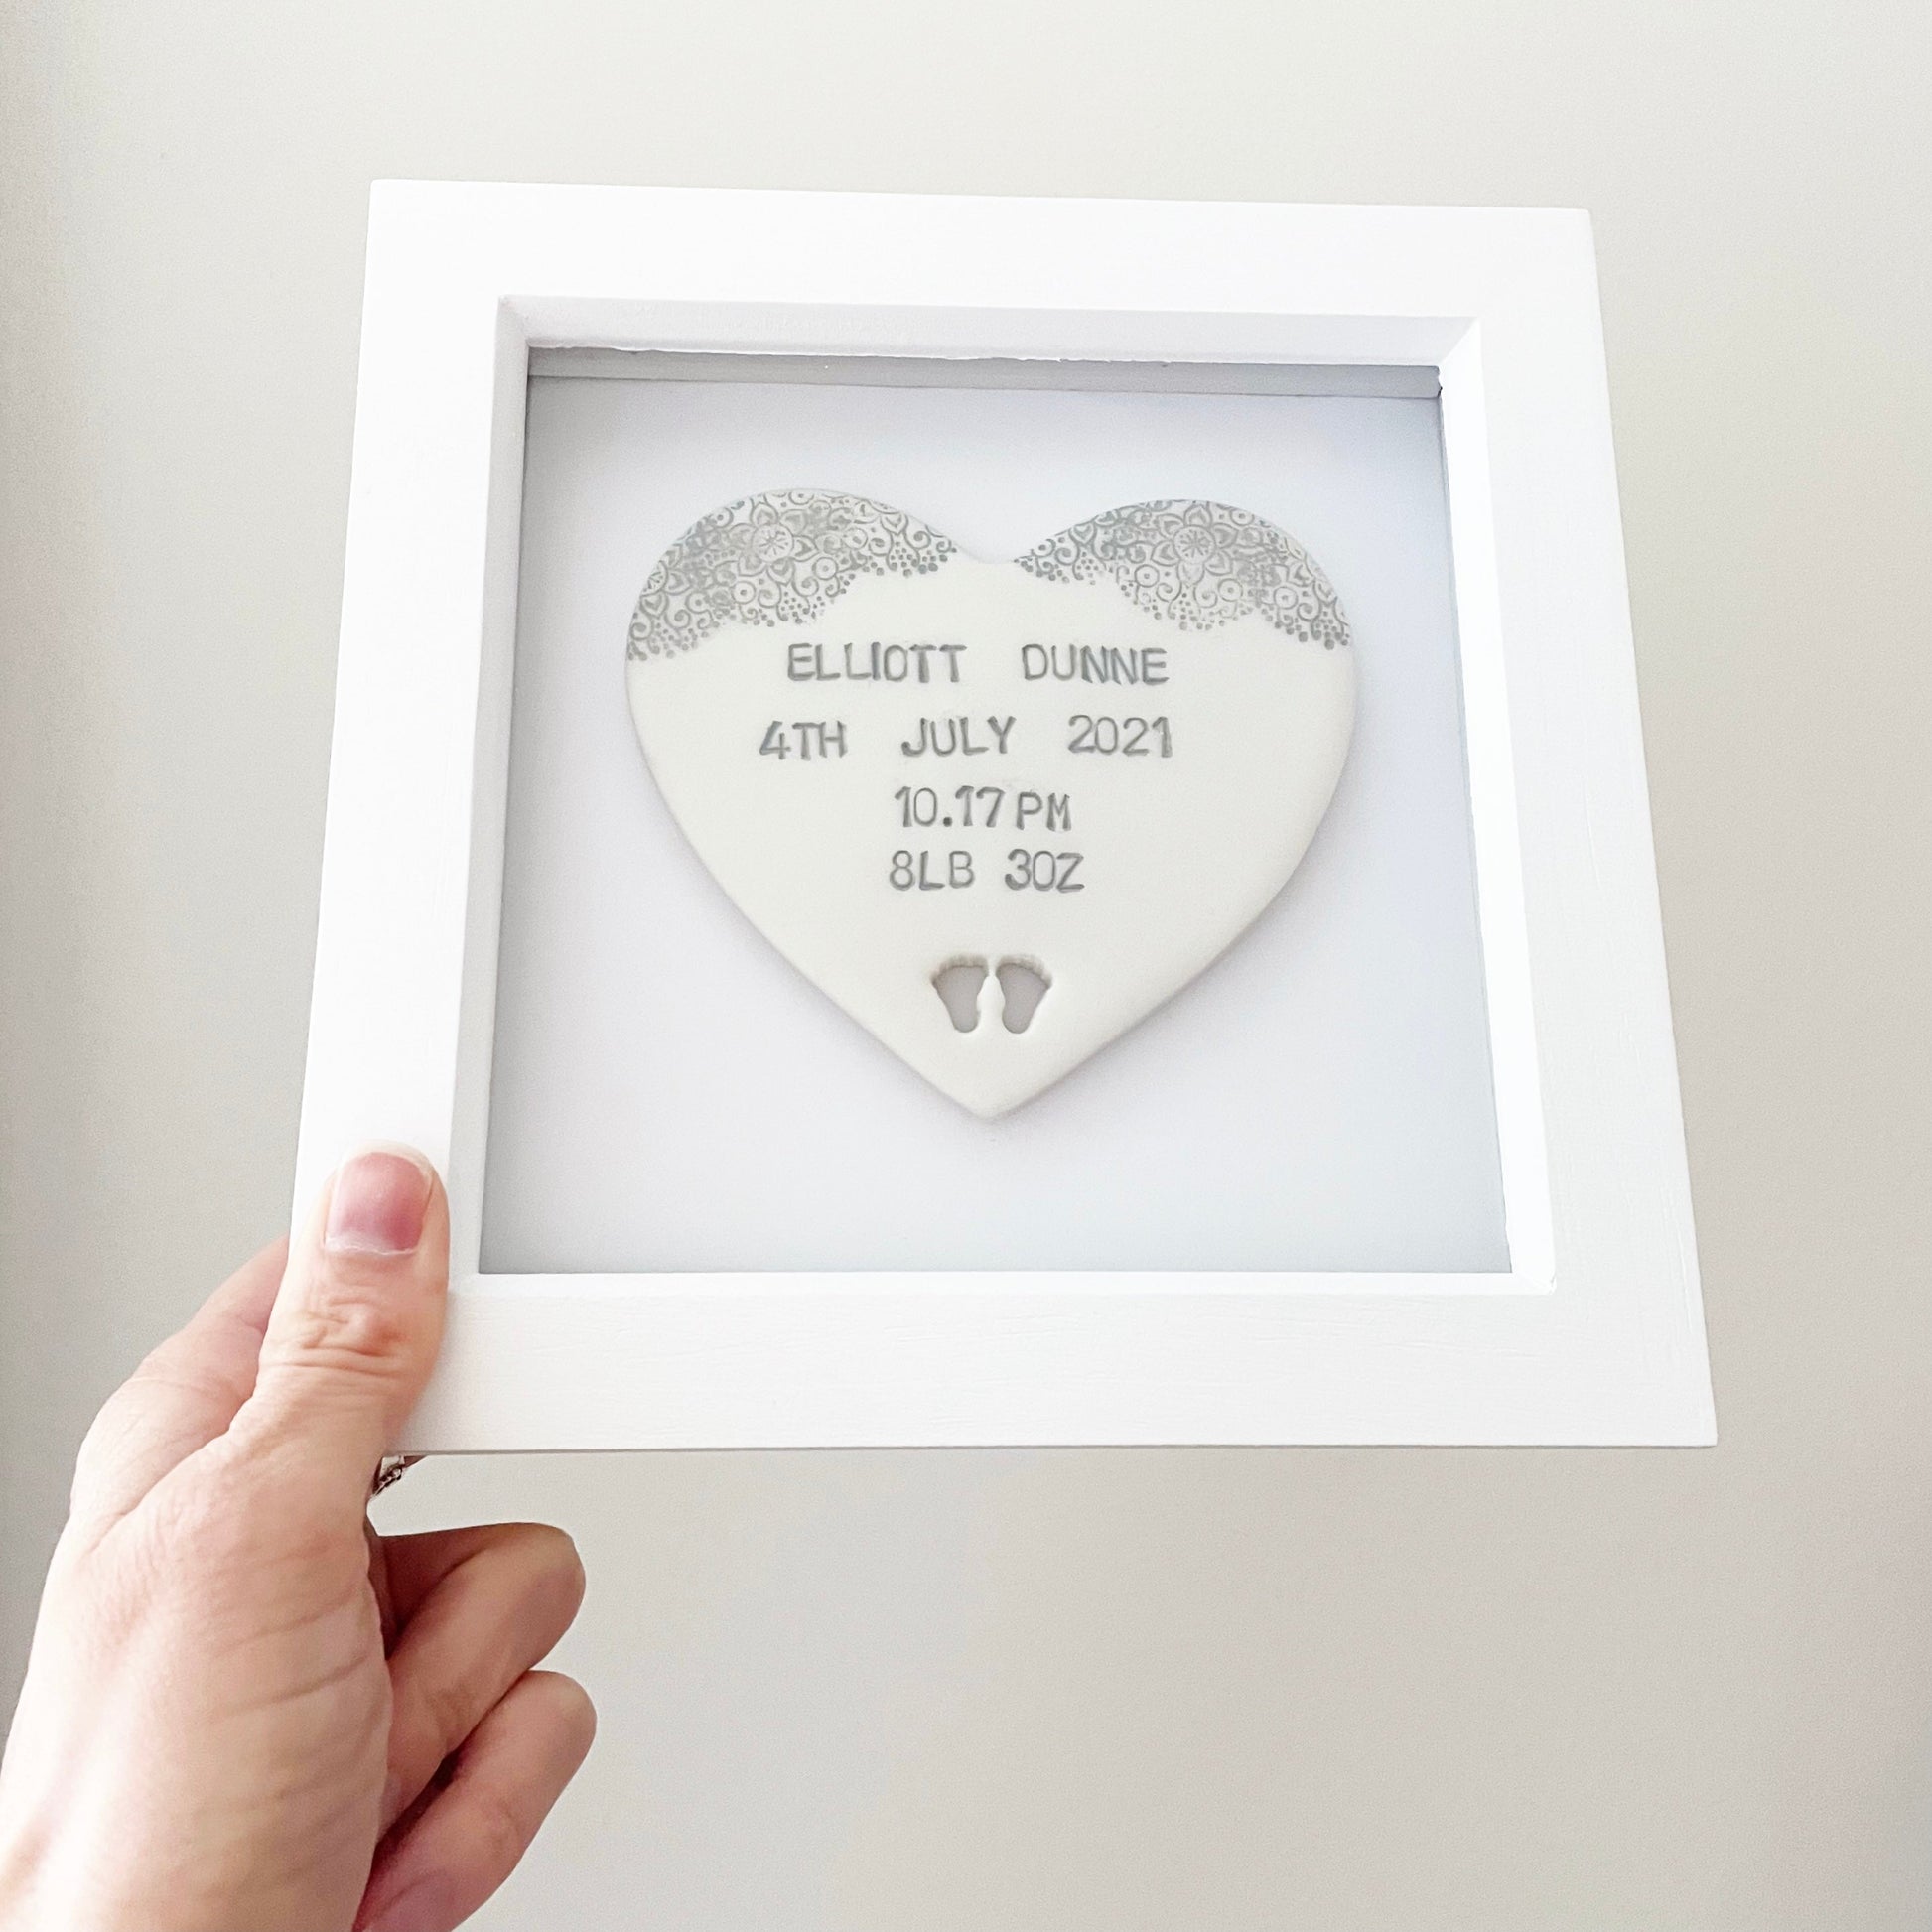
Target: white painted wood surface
<point>1594,1335</point>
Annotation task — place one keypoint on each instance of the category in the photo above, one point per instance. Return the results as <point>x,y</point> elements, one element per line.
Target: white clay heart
<point>998,811</point>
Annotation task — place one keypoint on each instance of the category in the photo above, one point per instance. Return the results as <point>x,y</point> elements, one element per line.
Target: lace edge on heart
<point>783,557</point>
<point>1198,565</point>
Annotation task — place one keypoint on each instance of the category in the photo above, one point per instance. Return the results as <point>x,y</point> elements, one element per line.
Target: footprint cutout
<point>969,992</point>
<point>958,985</point>
<point>1022,986</point>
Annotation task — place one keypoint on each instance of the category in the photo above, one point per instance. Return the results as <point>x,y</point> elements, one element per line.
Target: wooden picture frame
<point>1592,1333</point>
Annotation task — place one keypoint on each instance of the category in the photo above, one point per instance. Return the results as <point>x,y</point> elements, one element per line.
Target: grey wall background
<point>1379,1691</point>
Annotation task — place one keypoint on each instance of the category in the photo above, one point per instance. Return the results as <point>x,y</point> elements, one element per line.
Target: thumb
<point>355,1323</point>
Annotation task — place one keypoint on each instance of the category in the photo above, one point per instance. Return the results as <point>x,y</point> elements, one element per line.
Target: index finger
<point>184,1394</point>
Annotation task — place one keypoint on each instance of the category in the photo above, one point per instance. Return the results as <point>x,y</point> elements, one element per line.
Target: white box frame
<point>1594,1335</point>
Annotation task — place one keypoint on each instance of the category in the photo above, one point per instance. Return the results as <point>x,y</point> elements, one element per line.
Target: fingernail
<point>379,1203</point>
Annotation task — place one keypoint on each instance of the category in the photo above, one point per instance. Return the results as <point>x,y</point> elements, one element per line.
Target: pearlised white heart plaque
<point>999,811</point>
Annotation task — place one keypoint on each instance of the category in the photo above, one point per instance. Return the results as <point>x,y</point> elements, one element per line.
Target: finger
<point>380,1586</point>
<point>184,1395</point>
<point>497,1609</point>
<point>403,1569</point>
<point>417,1564</point>
<point>353,1330</point>
<point>470,1835</point>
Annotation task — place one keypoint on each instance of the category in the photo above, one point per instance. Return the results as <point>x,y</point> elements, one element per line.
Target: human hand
<point>244,1712</point>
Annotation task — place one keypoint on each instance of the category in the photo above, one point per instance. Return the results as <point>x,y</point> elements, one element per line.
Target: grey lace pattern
<point>1198,565</point>
<point>783,557</point>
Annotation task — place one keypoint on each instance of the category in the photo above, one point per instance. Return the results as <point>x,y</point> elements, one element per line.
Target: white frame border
<point>1595,1333</point>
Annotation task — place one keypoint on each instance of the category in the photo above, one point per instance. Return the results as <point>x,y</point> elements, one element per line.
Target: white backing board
<point>668,1094</point>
